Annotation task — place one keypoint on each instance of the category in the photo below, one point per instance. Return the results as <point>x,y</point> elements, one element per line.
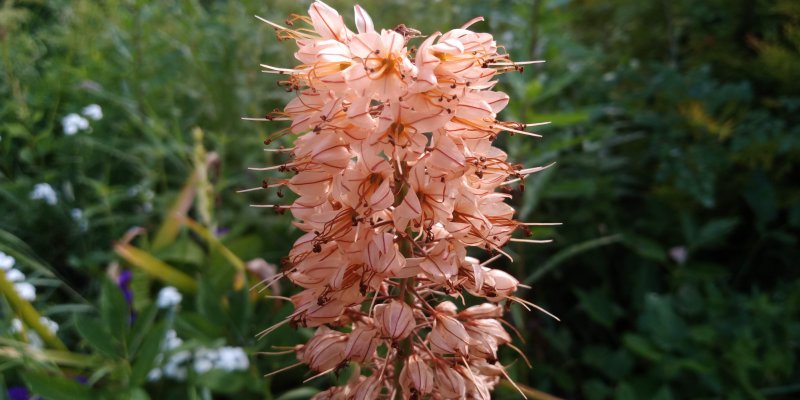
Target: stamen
<point>283,369</point>
<point>529,240</point>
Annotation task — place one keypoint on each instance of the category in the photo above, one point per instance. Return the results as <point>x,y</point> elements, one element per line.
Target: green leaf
<point>182,251</point>
<point>624,392</point>
<point>142,326</point>
<point>196,326</point>
<point>96,335</point>
<point>597,303</point>
<point>138,394</point>
<point>144,359</point>
<point>714,232</point>
<point>646,247</point>
<point>156,267</point>
<point>223,381</point>
<point>51,387</point>
<point>640,346</point>
<point>209,303</point>
<point>114,310</point>
<point>18,249</point>
<point>559,120</point>
<point>667,330</point>
<point>299,394</point>
<point>568,253</point>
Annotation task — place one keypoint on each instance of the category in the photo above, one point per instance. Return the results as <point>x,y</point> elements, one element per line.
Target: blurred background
<point>127,255</point>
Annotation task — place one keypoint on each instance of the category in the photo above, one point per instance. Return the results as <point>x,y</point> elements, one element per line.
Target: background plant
<point>675,128</point>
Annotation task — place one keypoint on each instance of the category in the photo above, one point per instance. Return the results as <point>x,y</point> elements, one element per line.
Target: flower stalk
<point>395,178</point>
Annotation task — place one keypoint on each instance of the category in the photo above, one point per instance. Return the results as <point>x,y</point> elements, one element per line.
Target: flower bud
<point>447,308</point>
<point>361,344</point>
<point>417,376</point>
<point>449,382</point>
<point>489,327</point>
<point>448,336</point>
<point>485,310</point>
<point>504,285</point>
<point>367,389</point>
<point>325,350</point>
<point>395,320</point>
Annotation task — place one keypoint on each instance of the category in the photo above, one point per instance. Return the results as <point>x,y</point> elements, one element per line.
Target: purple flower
<point>18,393</point>
<point>124,283</point>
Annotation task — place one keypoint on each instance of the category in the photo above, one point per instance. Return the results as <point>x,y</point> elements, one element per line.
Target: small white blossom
<point>16,325</point>
<point>93,111</point>
<point>73,123</point>
<point>77,215</point>
<point>232,359</point>
<point>15,275</point>
<point>204,360</point>
<point>33,338</point>
<point>154,375</point>
<point>168,297</point>
<point>173,341</point>
<point>51,325</point>
<point>43,191</point>
<point>224,358</point>
<point>174,367</point>
<point>679,254</point>
<point>25,290</point>
<point>6,261</point>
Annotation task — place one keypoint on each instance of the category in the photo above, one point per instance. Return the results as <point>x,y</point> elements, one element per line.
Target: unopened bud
<point>448,336</point>
<point>395,320</point>
<point>417,375</point>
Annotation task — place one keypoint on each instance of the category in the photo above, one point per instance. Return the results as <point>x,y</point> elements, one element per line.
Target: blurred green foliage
<point>676,132</point>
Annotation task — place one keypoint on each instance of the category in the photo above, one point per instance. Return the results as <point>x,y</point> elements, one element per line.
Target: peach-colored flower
<point>417,376</point>
<point>449,382</point>
<point>395,319</point>
<point>448,336</point>
<point>396,178</point>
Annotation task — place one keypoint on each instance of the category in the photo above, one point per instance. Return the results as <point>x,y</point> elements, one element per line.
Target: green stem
<point>28,314</point>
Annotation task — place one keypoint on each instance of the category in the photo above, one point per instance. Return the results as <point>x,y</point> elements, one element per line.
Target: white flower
<point>232,359</point>
<point>6,261</point>
<point>16,325</point>
<point>168,297</point>
<point>93,111</point>
<point>154,375</point>
<point>679,254</point>
<point>174,368</point>
<point>43,191</point>
<point>77,215</point>
<point>51,325</point>
<point>15,275</point>
<point>173,341</point>
<point>204,360</point>
<point>33,338</point>
<point>25,290</point>
<point>73,123</point>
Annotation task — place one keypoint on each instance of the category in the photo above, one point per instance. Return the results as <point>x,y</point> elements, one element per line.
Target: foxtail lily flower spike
<point>395,177</point>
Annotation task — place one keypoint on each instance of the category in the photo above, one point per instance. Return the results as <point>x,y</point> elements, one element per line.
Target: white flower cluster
<point>168,297</point>
<point>24,289</point>
<point>73,122</point>
<point>202,360</point>
<point>224,358</point>
<point>175,366</point>
<point>43,191</point>
<point>33,338</point>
